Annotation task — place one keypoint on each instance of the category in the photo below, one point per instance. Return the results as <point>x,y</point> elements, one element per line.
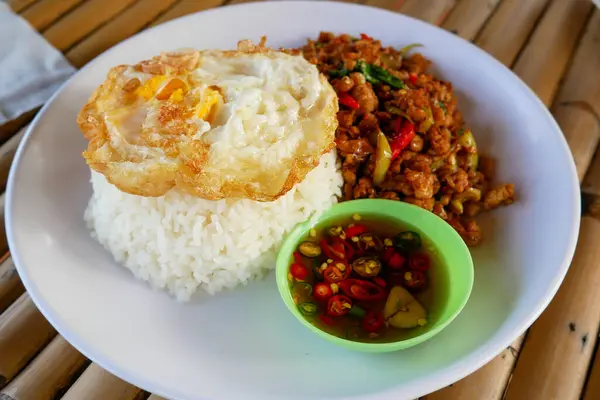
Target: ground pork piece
<point>422,183</point>
<point>500,195</point>
<point>389,196</point>
<point>345,118</point>
<point>369,124</point>
<point>416,144</point>
<point>439,140</point>
<point>427,204</point>
<point>355,146</point>
<point>416,63</point>
<point>348,191</point>
<point>421,163</point>
<point>366,98</point>
<point>458,181</point>
<point>438,209</point>
<point>364,189</point>
<point>398,183</point>
<point>468,230</point>
<point>343,85</point>
<point>370,166</point>
<point>349,174</point>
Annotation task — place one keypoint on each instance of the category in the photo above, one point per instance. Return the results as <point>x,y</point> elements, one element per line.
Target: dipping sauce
<point>364,280</point>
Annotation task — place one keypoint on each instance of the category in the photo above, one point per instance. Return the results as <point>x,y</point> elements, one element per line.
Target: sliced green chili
<point>407,241</point>
<point>304,288</point>
<point>307,308</point>
<point>357,311</point>
<point>408,48</point>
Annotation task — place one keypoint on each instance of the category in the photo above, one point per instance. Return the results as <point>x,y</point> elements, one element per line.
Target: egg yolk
<point>209,104</point>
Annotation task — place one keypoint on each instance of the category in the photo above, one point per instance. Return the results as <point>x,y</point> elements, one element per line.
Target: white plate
<point>244,344</point>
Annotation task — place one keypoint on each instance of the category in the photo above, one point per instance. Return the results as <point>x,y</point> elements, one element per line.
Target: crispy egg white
<point>248,123</point>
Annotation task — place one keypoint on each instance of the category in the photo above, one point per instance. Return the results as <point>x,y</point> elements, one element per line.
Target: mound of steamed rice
<point>182,244</point>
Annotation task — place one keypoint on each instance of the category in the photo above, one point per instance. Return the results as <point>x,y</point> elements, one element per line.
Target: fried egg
<point>246,123</point>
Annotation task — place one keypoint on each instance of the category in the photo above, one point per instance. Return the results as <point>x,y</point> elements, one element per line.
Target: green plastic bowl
<point>454,274</point>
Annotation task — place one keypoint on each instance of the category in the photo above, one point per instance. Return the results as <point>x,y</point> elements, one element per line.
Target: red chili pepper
<point>365,36</point>
<point>396,261</point>
<point>405,132</point>
<point>299,271</point>
<point>327,320</point>
<point>348,101</point>
<point>412,77</point>
<point>379,281</point>
<point>396,279</point>
<point>361,290</point>
<point>356,230</point>
<point>338,305</point>
<point>373,321</point>
<point>322,292</point>
<point>388,253</point>
<point>333,274</point>
<point>335,252</point>
<point>415,279</point>
<point>419,262</point>
<point>348,249</point>
<point>298,258</point>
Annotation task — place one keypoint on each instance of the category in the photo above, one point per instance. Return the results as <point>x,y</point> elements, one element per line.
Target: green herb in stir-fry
<point>376,74</point>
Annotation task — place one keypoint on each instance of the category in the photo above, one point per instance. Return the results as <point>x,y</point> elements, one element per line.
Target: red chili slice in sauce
<point>356,230</point>
<point>415,279</point>
<point>419,262</point>
<point>361,290</point>
<point>322,292</point>
<point>396,261</point>
<point>338,305</point>
<point>373,321</point>
<point>334,251</point>
<point>299,271</point>
<point>333,274</point>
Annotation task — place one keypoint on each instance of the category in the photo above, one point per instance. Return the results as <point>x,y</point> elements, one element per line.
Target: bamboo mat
<point>553,45</point>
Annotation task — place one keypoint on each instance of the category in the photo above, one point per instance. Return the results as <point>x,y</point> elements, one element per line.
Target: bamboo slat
<point>489,382</point>
<point>432,11</point>
<point>97,384</point>
<point>23,333</point>
<point>591,183</point>
<point>47,377</point>
<point>392,5</point>
<point>186,7</point>
<point>468,17</point>
<point>10,284</point>
<point>83,20</point>
<point>577,105</point>
<point>561,342</point>
<point>19,5</point>
<point>592,390</point>
<point>3,240</point>
<point>545,57</point>
<point>155,397</point>
<point>12,127</point>
<point>509,27</point>
<point>124,25</point>
<point>45,12</point>
<point>7,153</point>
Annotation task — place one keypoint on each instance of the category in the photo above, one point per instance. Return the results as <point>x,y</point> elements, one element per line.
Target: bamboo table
<point>553,45</point>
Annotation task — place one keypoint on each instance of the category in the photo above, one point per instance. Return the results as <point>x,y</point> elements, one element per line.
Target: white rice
<point>181,243</point>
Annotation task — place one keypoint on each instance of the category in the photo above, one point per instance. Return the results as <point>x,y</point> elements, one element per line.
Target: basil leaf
<point>338,73</point>
<point>376,74</point>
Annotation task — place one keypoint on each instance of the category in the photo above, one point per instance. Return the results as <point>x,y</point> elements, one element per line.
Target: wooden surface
<point>553,45</point>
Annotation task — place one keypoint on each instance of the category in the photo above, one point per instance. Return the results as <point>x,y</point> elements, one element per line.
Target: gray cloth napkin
<point>31,70</point>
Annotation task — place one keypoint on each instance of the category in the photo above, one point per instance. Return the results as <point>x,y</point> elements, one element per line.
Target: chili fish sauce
<point>368,280</point>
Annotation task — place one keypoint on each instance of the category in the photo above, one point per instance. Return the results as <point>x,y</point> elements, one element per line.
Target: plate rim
<point>452,373</point>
